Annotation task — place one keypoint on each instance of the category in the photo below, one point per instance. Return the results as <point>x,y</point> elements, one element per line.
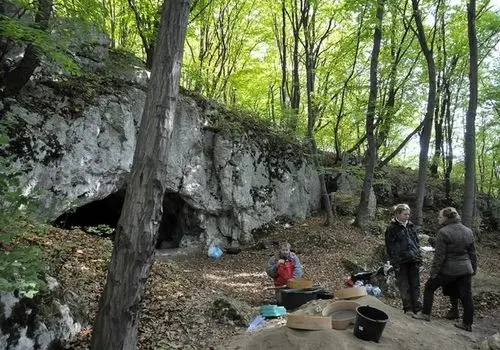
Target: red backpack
<point>285,273</point>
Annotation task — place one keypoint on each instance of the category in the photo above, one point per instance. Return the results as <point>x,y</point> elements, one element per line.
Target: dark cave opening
<point>178,218</point>
<point>104,212</point>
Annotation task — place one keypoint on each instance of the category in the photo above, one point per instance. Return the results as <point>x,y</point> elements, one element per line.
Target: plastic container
<point>350,293</point>
<point>342,313</point>
<point>370,323</point>
<point>297,283</point>
<point>324,294</point>
<point>293,298</point>
<point>272,311</point>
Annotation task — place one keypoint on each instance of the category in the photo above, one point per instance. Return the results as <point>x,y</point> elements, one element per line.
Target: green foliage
<point>21,269</point>
<point>239,122</point>
<point>87,11</point>
<point>99,230</point>
<point>21,265</point>
<point>21,32</point>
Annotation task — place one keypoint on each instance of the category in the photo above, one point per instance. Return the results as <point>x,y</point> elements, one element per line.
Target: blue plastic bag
<point>257,323</point>
<point>214,252</point>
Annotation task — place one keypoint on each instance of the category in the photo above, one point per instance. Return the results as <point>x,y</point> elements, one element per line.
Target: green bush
<point>22,266</point>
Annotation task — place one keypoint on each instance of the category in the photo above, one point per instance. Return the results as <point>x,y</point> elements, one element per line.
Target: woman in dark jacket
<point>403,249</point>
<point>454,262</point>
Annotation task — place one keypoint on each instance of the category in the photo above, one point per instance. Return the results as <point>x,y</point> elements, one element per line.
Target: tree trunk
<point>150,52</point>
<point>311,42</point>
<point>295,93</point>
<point>438,125</point>
<point>141,23</point>
<point>448,150</point>
<point>362,215</point>
<point>400,147</point>
<point>470,131</point>
<point>117,322</point>
<point>427,125</point>
<point>15,80</point>
<point>340,114</point>
<point>281,37</point>
<point>385,122</point>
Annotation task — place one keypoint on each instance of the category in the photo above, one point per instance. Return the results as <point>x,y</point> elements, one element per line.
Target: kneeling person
<point>284,265</point>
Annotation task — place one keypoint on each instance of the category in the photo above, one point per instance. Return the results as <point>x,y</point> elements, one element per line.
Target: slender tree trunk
<point>310,40</point>
<point>340,114</point>
<point>448,151</point>
<point>448,128</point>
<point>481,161</point>
<point>493,176</point>
<point>282,49</point>
<point>427,127</point>
<point>117,322</point>
<point>384,123</point>
<point>363,216</point>
<point>400,147</point>
<point>295,93</point>
<point>440,103</point>
<point>470,131</point>
<point>438,125</point>
<point>140,25</point>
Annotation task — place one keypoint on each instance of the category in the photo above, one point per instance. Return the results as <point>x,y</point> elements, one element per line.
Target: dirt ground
<point>178,308</point>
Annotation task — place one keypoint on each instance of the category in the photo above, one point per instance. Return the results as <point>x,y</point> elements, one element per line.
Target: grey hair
<point>286,245</point>
<point>399,208</point>
<point>450,213</point>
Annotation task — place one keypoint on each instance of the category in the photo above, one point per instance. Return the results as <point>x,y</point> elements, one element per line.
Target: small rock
<point>494,341</point>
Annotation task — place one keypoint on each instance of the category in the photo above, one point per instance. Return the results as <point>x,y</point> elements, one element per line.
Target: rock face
<point>73,142</point>
<point>34,323</point>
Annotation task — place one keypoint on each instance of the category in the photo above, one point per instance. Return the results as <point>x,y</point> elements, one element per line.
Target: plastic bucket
<point>293,298</point>
<point>370,323</point>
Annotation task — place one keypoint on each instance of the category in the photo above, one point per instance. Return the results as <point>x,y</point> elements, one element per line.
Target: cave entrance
<point>104,212</point>
<point>178,221</point>
<point>101,218</point>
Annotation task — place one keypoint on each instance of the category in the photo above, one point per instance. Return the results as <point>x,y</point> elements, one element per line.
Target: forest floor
<point>179,312</point>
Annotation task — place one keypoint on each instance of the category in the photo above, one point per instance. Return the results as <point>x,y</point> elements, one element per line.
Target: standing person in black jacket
<point>454,262</point>
<point>403,249</point>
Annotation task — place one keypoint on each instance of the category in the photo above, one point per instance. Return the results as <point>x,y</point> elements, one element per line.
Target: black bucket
<point>293,298</point>
<point>370,323</point>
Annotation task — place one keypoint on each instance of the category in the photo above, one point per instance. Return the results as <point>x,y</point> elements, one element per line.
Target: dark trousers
<point>464,286</point>
<point>408,278</point>
<point>451,290</point>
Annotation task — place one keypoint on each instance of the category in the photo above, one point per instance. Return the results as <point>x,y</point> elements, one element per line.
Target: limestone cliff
<point>73,140</point>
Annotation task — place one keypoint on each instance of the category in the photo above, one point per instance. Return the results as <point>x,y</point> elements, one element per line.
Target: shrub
<point>22,267</point>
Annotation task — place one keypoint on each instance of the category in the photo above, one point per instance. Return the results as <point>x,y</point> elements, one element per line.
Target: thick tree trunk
<point>427,124</point>
<point>362,215</point>
<point>117,322</point>
<point>14,80</point>
<point>470,131</point>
